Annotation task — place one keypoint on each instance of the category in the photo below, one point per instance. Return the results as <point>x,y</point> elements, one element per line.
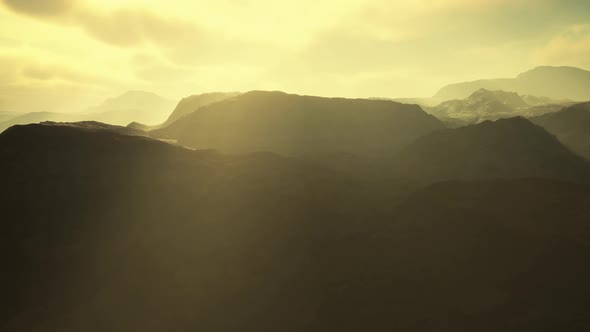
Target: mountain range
<point>144,107</point>
<point>553,82</point>
<point>493,105</point>
<point>269,211</point>
<point>136,234</point>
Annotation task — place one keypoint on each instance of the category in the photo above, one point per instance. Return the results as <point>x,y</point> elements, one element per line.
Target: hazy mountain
<point>190,104</point>
<point>553,82</point>
<point>506,148</point>
<point>128,233</point>
<point>480,106</point>
<point>491,105</point>
<point>428,102</point>
<point>37,117</point>
<point>571,126</point>
<point>5,116</point>
<point>132,106</point>
<point>298,125</point>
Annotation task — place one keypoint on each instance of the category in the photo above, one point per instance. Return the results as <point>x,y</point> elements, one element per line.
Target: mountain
<point>571,126</point>
<point>490,255</point>
<point>491,105</point>
<point>5,116</point>
<point>128,233</point>
<point>190,104</point>
<point>36,117</point>
<point>297,125</point>
<point>506,148</point>
<point>425,102</point>
<point>480,106</point>
<point>132,106</point>
<point>553,82</point>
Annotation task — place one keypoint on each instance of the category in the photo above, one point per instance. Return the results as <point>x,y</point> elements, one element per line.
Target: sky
<point>65,55</point>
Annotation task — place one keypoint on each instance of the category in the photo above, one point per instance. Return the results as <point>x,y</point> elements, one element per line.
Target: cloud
<point>571,47</point>
<point>40,7</point>
<point>128,27</point>
<point>120,27</point>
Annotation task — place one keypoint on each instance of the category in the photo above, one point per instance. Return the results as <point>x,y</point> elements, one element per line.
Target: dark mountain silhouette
<point>485,105</point>
<point>297,125</point>
<point>553,82</point>
<point>506,148</point>
<point>132,106</point>
<point>571,126</point>
<point>192,103</point>
<point>127,233</point>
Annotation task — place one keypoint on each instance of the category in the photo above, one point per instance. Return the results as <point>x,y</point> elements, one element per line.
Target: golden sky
<point>64,55</point>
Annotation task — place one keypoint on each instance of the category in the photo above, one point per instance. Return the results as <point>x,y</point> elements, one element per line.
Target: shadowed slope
<point>126,233</point>
<point>571,126</point>
<point>507,148</point>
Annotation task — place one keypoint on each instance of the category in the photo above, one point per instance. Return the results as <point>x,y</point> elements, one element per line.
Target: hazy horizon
<point>66,55</point>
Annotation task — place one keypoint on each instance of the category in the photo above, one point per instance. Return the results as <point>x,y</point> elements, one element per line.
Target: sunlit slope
<point>192,103</point>
<point>295,125</point>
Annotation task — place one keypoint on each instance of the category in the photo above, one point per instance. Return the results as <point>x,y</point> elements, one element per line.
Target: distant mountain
<point>5,116</point>
<point>553,82</point>
<point>506,148</point>
<point>428,102</point>
<point>128,233</point>
<point>190,104</point>
<point>94,126</point>
<point>37,117</point>
<point>485,105</point>
<point>480,106</point>
<point>132,106</point>
<point>297,125</point>
<point>571,126</point>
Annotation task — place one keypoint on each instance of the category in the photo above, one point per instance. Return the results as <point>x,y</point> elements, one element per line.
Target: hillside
<point>37,117</point>
<point>297,125</point>
<point>190,104</point>
<point>553,82</point>
<point>506,148</point>
<point>571,126</point>
<point>136,234</point>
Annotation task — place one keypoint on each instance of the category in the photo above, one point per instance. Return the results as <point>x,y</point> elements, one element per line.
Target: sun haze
<point>63,55</point>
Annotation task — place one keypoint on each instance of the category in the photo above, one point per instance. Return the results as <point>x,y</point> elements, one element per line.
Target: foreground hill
<point>126,233</point>
<point>554,82</point>
<point>571,126</point>
<point>298,125</point>
<point>485,105</point>
<point>190,104</point>
<point>132,106</point>
<point>506,148</point>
